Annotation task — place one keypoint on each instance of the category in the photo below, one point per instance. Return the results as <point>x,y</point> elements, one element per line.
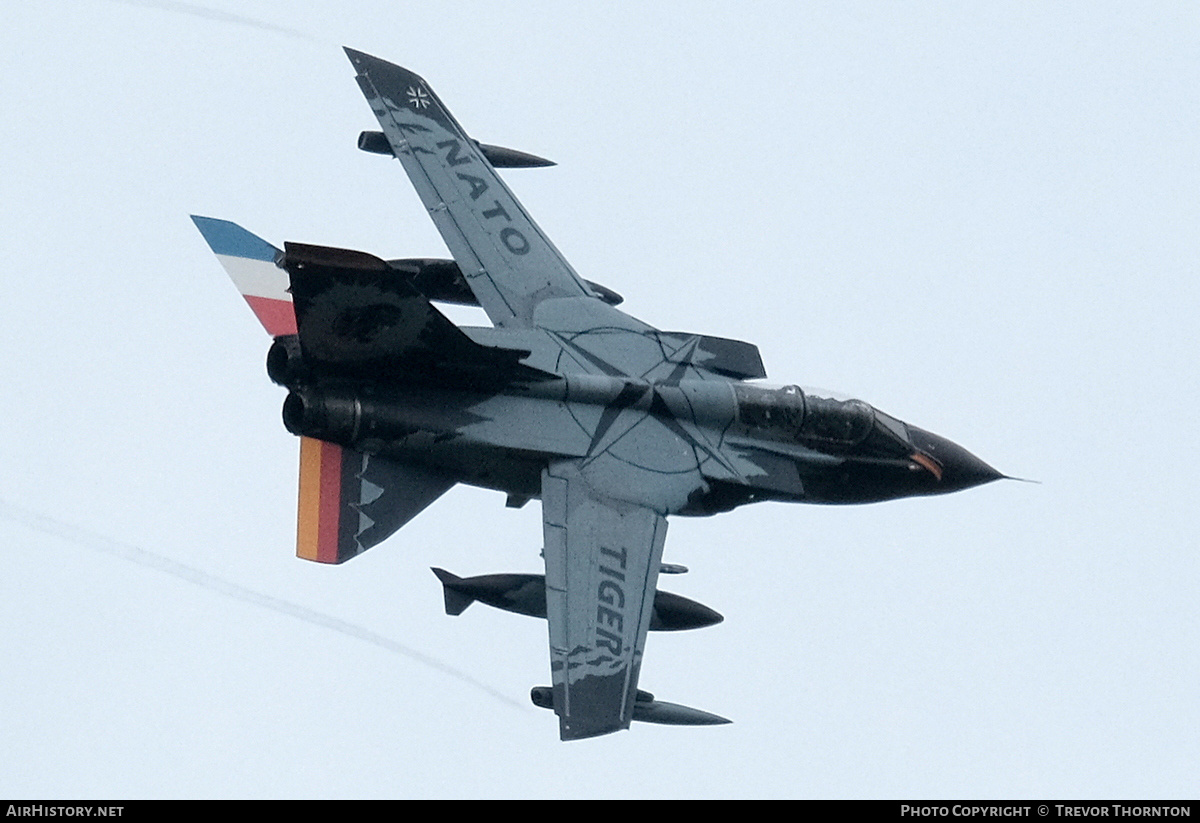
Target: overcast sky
<point>981,218</point>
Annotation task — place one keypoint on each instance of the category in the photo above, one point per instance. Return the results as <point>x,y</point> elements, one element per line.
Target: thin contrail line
<point>217,15</point>
<point>125,551</point>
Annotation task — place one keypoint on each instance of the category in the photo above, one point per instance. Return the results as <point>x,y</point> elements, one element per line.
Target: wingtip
<point>362,60</point>
<point>358,59</point>
<point>367,65</point>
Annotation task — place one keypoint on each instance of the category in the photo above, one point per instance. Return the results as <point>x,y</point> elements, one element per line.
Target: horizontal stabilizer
<point>253,265</point>
<point>350,501</point>
<point>360,318</point>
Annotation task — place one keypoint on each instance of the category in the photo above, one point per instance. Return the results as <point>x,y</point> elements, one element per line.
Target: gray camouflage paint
<point>612,423</point>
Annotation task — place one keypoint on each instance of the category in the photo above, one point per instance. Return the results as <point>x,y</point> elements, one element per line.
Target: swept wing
<point>604,510</point>
<point>509,264</point>
<point>602,562</point>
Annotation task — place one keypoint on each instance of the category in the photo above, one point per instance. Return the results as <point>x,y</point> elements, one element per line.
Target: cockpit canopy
<point>790,414</point>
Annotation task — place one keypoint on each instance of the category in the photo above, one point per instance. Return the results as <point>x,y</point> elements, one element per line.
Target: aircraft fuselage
<point>735,443</point>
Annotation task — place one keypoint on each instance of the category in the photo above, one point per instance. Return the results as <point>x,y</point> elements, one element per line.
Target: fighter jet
<point>613,424</point>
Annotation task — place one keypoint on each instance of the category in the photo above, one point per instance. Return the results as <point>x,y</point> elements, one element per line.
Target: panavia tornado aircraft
<point>612,423</point>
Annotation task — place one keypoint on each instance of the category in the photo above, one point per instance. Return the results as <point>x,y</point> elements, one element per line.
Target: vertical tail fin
<point>252,264</point>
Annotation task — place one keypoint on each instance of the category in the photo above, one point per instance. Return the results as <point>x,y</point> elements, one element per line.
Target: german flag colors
<point>326,529</point>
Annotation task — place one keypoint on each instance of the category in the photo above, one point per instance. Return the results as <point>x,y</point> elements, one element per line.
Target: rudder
<point>253,265</point>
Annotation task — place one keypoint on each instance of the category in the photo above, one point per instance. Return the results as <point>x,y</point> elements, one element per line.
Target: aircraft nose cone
<point>960,468</point>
